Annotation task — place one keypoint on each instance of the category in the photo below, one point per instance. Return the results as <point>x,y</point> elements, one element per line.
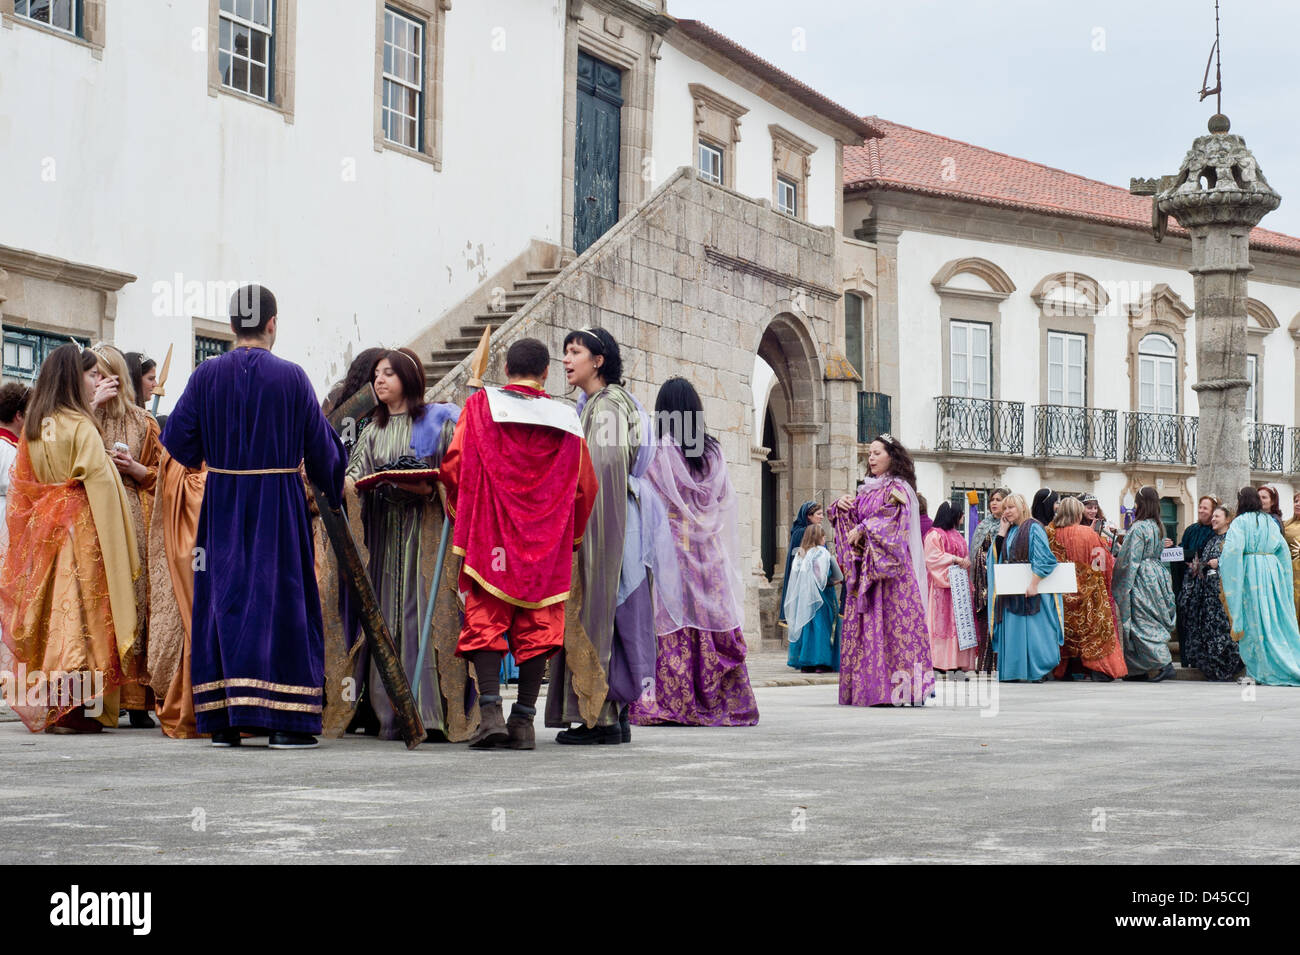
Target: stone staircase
<point>457,348</point>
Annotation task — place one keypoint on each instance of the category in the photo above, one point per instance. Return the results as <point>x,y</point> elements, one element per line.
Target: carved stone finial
<point>1219,123</point>
<point>1219,181</point>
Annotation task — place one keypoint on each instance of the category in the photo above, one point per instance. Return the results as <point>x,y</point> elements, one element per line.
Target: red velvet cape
<point>520,495</point>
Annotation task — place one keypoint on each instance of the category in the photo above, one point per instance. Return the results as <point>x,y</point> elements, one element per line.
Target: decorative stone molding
<point>1161,311</point>
<point>839,368</point>
<point>1265,320</point>
<point>793,282</point>
<point>998,281</point>
<point>1089,298</point>
<point>432,14</point>
<point>284,58</point>
<point>46,293</point>
<point>93,28</point>
<point>717,121</point>
<point>791,158</point>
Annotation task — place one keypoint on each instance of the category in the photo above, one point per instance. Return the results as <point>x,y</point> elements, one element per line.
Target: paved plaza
<point>1179,772</point>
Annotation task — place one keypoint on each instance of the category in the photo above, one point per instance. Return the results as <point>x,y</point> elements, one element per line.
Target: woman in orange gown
<point>1091,638</point>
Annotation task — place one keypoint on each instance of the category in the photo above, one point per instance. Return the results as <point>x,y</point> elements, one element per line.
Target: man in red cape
<point>520,487</point>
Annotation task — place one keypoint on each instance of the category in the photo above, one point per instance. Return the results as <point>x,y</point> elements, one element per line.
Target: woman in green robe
<point>1144,593</point>
<point>402,523</point>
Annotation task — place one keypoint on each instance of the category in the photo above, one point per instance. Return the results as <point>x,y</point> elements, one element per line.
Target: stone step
<point>462,343</point>
<point>449,354</point>
<point>546,274</point>
<point>437,370</point>
<point>532,285</point>
<point>495,319</point>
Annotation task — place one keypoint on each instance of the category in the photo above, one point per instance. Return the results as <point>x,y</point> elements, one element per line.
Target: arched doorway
<point>791,418</point>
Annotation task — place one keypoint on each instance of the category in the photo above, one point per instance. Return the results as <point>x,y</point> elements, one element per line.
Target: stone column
<point>1219,195</point>
<point>760,606</point>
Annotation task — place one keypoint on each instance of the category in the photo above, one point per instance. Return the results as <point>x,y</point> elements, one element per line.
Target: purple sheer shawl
<point>871,483</point>
<point>701,518</point>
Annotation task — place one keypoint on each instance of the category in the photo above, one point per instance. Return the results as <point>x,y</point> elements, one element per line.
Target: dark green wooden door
<point>1169,518</point>
<point>595,175</point>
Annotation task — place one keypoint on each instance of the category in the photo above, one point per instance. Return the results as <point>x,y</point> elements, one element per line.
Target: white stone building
<point>1028,331</point>
<point>412,171</point>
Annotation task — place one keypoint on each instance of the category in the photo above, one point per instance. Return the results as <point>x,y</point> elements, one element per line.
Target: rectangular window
<point>787,196</point>
<point>25,351</point>
<point>1066,366</point>
<point>403,103</point>
<point>855,333</point>
<point>205,348</point>
<point>970,363</point>
<point>62,15</point>
<point>245,41</point>
<point>710,163</point>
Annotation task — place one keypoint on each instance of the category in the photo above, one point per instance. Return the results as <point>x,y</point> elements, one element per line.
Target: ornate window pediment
<point>1069,293</point>
<point>998,282</point>
<point>1260,319</point>
<point>1161,306</point>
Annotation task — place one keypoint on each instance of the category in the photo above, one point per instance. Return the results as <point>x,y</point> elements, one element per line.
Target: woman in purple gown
<point>885,647</point>
<point>700,673</point>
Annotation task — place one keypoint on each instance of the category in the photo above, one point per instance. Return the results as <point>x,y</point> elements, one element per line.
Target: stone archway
<point>792,420</point>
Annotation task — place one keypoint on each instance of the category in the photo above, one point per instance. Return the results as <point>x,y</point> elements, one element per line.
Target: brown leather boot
<point>520,727</point>
<point>491,724</point>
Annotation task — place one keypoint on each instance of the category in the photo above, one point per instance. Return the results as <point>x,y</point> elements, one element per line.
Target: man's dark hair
<point>250,309</point>
<point>527,358</point>
<point>13,400</point>
<point>1248,500</point>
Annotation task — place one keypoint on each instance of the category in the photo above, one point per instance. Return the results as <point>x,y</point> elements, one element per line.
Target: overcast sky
<point>1103,88</point>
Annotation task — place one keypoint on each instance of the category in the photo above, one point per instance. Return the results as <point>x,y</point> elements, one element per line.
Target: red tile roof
<point>705,35</point>
<point>911,160</point>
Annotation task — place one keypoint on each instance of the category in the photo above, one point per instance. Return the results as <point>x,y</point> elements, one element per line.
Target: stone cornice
<point>897,212</point>
<point>781,278</point>
<point>715,100</point>
<point>647,16</point>
<point>783,137</point>
<point>37,265</point>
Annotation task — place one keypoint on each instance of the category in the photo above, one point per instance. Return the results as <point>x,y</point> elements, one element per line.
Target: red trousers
<point>493,624</point>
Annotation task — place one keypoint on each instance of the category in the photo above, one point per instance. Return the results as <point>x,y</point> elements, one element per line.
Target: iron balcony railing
<point>979,424</point>
<point>1073,432</point>
<point>1295,450</point>
<point>1162,438</point>
<point>1267,447</point>
<point>873,416</point>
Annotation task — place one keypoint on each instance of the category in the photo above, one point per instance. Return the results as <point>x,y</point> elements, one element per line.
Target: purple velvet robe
<point>885,646</point>
<point>258,654</point>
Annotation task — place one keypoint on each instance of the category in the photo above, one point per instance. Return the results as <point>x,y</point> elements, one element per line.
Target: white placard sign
<point>511,407</point>
<point>1171,555</point>
<point>1012,579</point>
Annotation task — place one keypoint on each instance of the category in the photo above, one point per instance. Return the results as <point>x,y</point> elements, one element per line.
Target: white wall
<point>155,177</point>
<point>674,135</point>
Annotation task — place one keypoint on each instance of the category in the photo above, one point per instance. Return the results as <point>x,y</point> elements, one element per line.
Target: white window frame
<point>268,30</point>
<point>958,329</point>
<point>1060,394</point>
<point>715,171</point>
<point>1152,357</point>
<point>792,208</point>
<point>74,9</point>
<point>416,51</point>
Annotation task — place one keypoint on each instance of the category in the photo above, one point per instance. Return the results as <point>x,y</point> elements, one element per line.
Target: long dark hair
<point>406,366</point>
<point>901,464</point>
<point>1276,508</point>
<point>679,416</point>
<point>600,342</point>
<point>1247,500</point>
<point>137,365</point>
<point>1147,505</point>
<point>947,517</point>
<point>60,387</point>
<point>360,374</point>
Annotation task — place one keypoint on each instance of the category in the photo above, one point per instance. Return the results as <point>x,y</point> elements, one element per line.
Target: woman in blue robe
<point>809,513</point>
<point>1258,588</point>
<point>1027,630</point>
<point>814,614</point>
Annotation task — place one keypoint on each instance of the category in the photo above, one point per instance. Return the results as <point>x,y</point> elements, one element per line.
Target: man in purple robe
<point>258,655</point>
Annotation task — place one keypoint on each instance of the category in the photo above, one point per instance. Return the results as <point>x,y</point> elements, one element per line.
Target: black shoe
<point>282,739</point>
<point>140,720</point>
<point>624,726</point>
<point>1166,673</point>
<point>226,738</point>
<point>1098,677</point>
<point>589,736</point>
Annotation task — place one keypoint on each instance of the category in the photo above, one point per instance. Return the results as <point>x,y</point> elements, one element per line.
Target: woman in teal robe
<point>1027,630</point>
<point>1144,594</point>
<point>1258,589</point>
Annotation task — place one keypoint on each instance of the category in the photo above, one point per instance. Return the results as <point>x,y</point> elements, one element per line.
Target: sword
<point>160,389</point>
